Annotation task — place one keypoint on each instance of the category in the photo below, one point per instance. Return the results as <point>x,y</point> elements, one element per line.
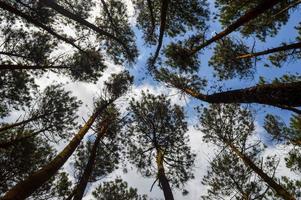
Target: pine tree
<point>91,162</point>
<point>53,114</point>
<point>158,131</point>
<point>116,190</point>
<point>116,87</point>
<point>229,126</point>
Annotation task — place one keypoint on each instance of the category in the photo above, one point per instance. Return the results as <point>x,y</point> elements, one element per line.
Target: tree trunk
<point>9,126</point>
<point>164,9</point>
<point>25,188</point>
<point>78,19</point>
<point>269,51</point>
<point>276,187</point>
<point>162,178</point>
<point>280,95</point>
<point>28,18</point>
<point>17,67</point>
<point>81,186</point>
<point>13,54</point>
<point>249,15</point>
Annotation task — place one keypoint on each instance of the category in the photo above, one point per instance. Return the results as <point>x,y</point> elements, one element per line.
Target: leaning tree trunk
<point>33,67</point>
<point>162,177</point>
<point>25,188</point>
<point>248,16</point>
<point>271,182</point>
<point>11,9</point>
<point>81,186</point>
<point>285,47</point>
<point>278,95</point>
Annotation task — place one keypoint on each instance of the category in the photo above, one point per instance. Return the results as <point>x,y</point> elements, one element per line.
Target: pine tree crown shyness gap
<point>149,99</point>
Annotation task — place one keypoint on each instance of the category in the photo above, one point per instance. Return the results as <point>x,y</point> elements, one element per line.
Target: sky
<point>87,92</point>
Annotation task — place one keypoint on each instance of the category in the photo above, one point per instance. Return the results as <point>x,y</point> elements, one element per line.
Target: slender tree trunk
<point>17,67</point>
<point>271,182</point>
<point>269,51</point>
<point>162,177</point>
<point>164,10</point>
<point>280,95</point>
<point>81,186</point>
<point>248,16</point>
<point>13,54</point>
<point>26,187</point>
<point>10,126</point>
<point>78,19</point>
<point>9,8</point>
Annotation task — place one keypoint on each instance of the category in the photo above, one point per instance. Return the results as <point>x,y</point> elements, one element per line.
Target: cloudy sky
<point>205,152</point>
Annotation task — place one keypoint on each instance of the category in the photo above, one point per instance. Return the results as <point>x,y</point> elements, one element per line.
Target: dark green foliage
<point>288,134</point>
<point>293,159</point>
<point>103,165</point>
<point>268,24</point>
<point>60,107</point>
<point>229,177</point>
<point>86,66</point>
<point>157,125</point>
<point>19,161</point>
<point>228,122</point>
<point>225,63</point>
<point>114,20</point>
<point>280,132</point>
<point>285,57</point>
<point>116,190</point>
<point>172,79</point>
<point>33,9</point>
<point>81,8</point>
<point>227,126</point>
<point>118,84</point>
<point>15,90</point>
<point>182,16</point>
<point>53,114</point>
<point>27,48</point>
<point>291,185</point>
<point>108,148</point>
<point>61,187</point>
<point>179,57</point>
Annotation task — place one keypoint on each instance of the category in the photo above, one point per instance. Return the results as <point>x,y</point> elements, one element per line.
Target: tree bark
<point>248,16</point>
<point>248,162</point>
<point>164,9</point>
<point>269,51</point>
<point>162,177</point>
<point>78,19</point>
<point>33,67</point>
<point>9,126</point>
<point>26,187</point>
<point>279,95</point>
<point>28,18</point>
<point>81,186</point>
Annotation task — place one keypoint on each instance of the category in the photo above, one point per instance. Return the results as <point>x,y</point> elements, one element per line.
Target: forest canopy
<point>149,99</point>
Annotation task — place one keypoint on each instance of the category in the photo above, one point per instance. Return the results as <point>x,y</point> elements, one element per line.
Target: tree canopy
<point>94,94</point>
